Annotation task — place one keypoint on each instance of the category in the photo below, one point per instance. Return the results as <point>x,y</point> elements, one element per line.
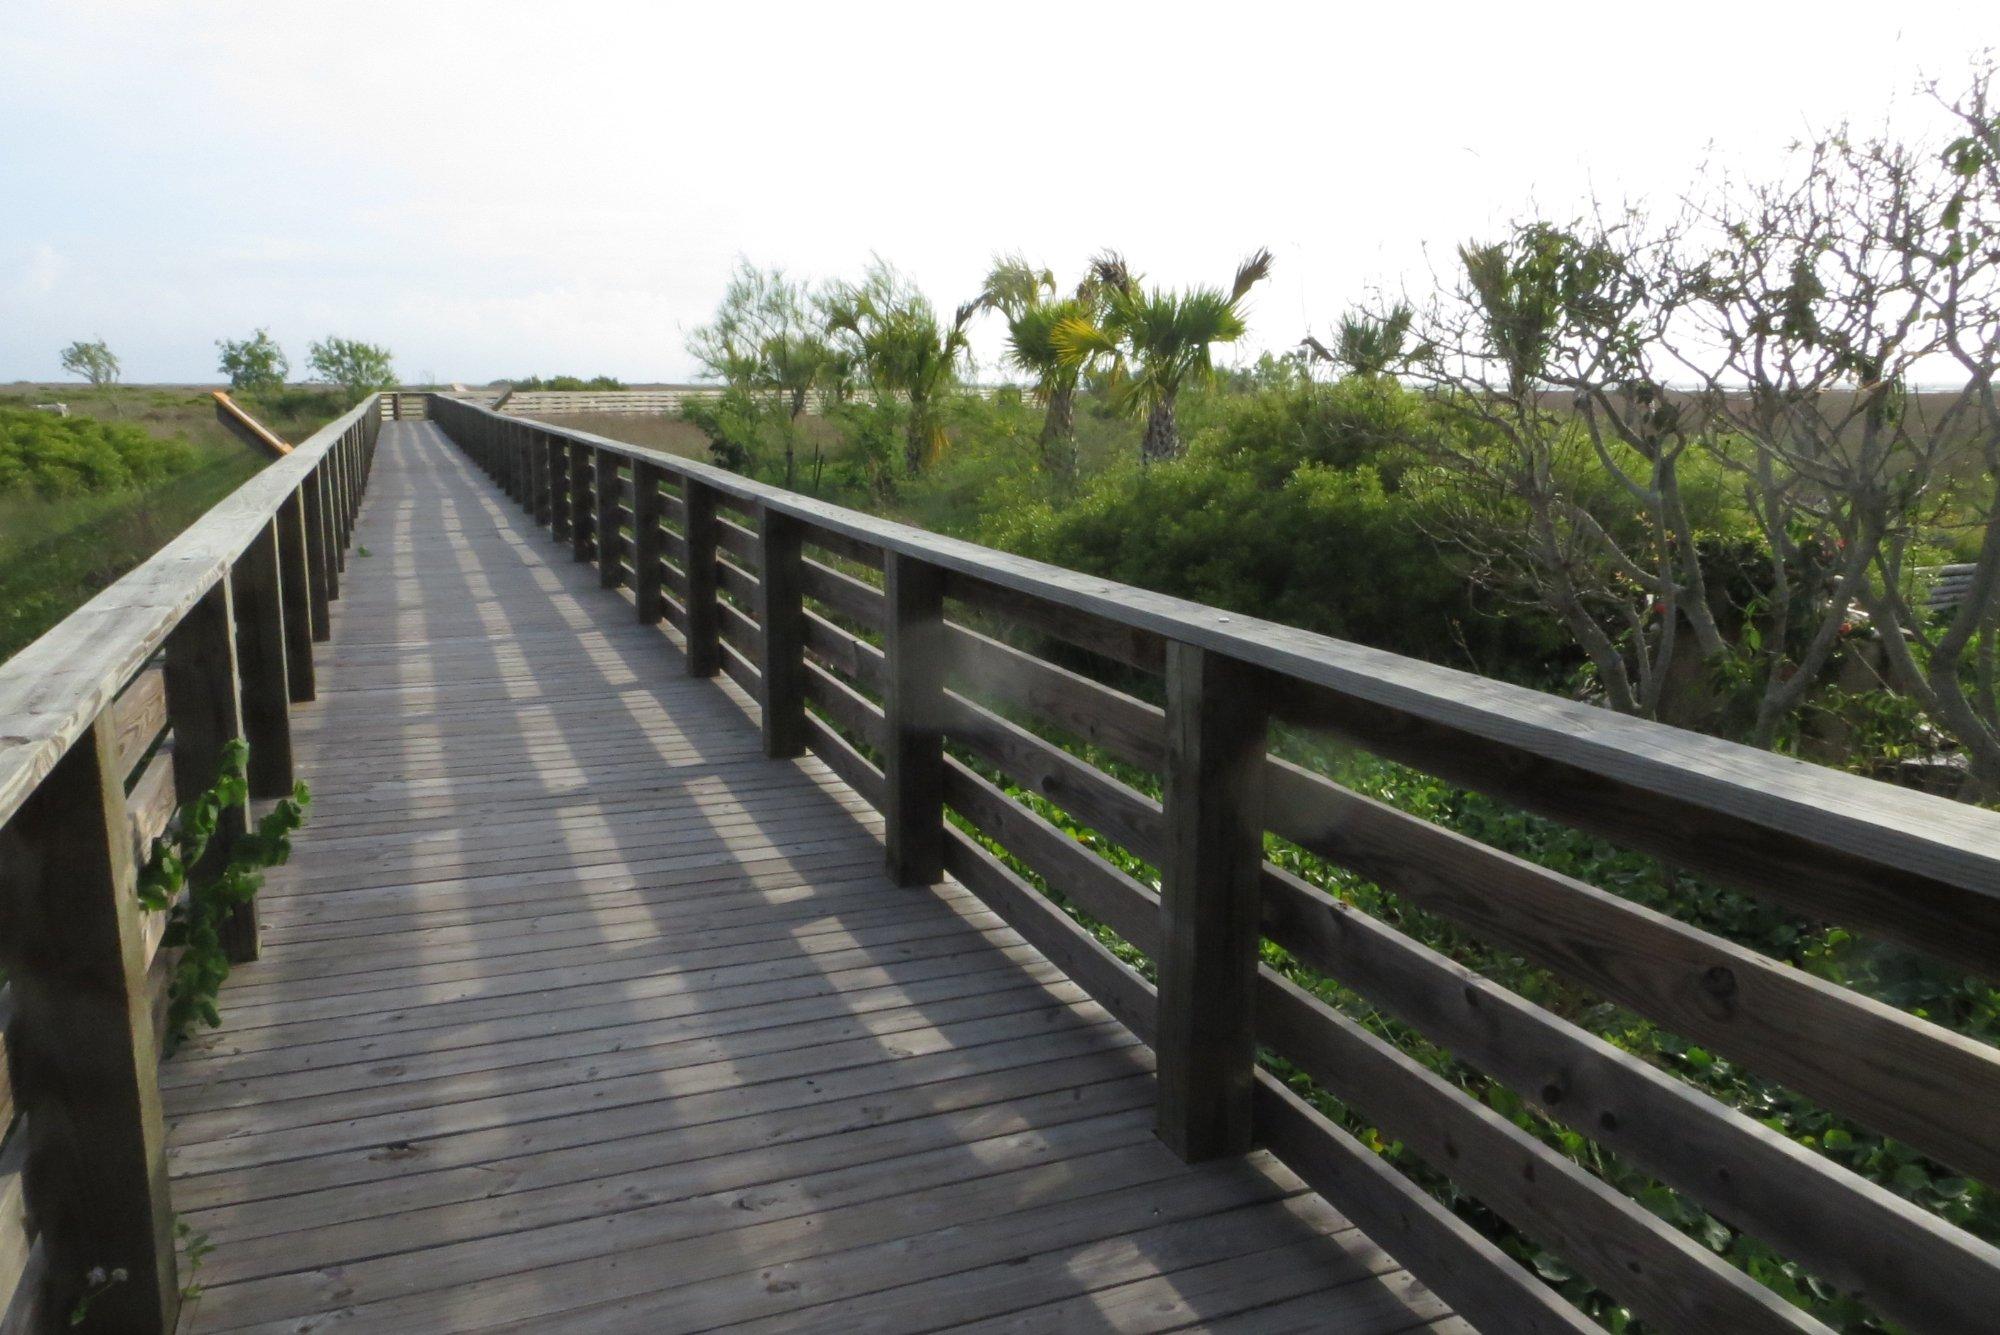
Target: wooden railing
<point>885,651</point>
<point>107,724</point>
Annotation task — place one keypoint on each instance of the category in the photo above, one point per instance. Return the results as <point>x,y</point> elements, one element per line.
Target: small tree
<point>357,367</point>
<point>903,349</point>
<point>256,362</point>
<point>1154,341</point>
<point>93,361</point>
<point>1026,296</point>
<point>1562,449</point>
<point>764,341</point>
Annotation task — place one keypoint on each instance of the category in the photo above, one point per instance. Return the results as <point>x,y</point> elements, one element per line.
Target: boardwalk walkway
<point>576,1013</point>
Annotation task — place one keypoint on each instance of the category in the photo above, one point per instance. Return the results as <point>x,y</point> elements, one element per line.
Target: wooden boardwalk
<point>576,1013</point>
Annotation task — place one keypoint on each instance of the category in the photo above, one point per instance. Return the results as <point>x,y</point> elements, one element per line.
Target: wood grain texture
<point>1209,862</point>
<point>913,706</point>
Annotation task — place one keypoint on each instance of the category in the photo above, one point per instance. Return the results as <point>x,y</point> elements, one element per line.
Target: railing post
<point>336,491</point>
<point>295,584</point>
<point>559,487</point>
<point>913,703</point>
<point>610,545</point>
<point>319,557</point>
<point>323,478</point>
<point>581,466</point>
<point>204,707</point>
<point>524,449</point>
<point>85,1053</point>
<point>647,512</point>
<point>704,628</point>
<point>544,452</point>
<point>1206,1047</point>
<point>781,612</point>
<point>258,595</point>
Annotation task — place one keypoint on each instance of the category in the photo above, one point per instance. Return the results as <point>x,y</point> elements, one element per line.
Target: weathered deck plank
<point>576,1013</point>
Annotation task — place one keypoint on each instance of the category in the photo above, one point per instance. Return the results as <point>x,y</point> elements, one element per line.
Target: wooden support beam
<point>610,545</point>
<point>257,592</point>
<point>560,508</point>
<point>781,612</point>
<point>319,584</point>
<point>295,583</point>
<point>84,1050</point>
<point>329,513</point>
<point>647,512</point>
<point>544,454</point>
<point>204,707</point>
<point>704,637</point>
<point>1209,890</point>
<point>581,466</point>
<point>913,705</point>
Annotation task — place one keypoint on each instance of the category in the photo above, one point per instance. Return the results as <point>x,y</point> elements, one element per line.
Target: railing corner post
<point>1217,730</point>
<point>913,703</point>
<point>781,612</point>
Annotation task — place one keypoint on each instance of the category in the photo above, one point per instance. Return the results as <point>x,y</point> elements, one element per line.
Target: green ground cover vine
<point>194,919</point>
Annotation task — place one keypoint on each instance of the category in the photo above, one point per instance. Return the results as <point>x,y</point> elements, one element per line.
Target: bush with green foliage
<point>570,383</point>
<point>57,457</point>
<point>1291,507</point>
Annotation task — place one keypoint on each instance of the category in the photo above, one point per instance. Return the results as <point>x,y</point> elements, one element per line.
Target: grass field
<point>55,554</point>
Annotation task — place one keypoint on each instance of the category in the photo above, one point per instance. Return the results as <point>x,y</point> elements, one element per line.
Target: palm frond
<point>1250,273</point>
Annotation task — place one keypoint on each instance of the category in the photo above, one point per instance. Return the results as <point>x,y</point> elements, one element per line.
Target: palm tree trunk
<point>1163,433</point>
<point>1059,432</point>
<point>915,439</point>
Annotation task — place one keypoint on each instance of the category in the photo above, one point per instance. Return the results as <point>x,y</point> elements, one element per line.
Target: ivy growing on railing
<point>194,921</point>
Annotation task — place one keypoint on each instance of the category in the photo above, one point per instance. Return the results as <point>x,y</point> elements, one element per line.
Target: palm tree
<point>904,350</point>
<point>1152,340</point>
<point>1026,296</point>
<point>1371,346</point>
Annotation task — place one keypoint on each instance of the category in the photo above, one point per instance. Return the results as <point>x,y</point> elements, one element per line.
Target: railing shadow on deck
<point>861,670</point>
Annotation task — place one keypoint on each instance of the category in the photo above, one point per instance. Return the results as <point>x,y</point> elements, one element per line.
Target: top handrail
<point>52,690</point>
<point>1941,856</point>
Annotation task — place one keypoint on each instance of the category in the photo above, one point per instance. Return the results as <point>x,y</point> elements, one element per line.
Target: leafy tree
<point>357,367</point>
<point>1152,341</point>
<point>766,342</point>
<point>1026,296</point>
<point>1561,468</point>
<point>93,361</point>
<point>903,349</point>
<point>256,362</point>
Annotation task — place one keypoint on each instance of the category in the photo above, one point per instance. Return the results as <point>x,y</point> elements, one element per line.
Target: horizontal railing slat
<point>1625,1249</point>
<point>1916,1267</point>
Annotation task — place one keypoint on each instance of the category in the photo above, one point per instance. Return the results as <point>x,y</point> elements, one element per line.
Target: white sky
<point>496,189</point>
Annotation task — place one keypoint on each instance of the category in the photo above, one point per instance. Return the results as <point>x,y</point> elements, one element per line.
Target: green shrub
<point>57,457</point>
